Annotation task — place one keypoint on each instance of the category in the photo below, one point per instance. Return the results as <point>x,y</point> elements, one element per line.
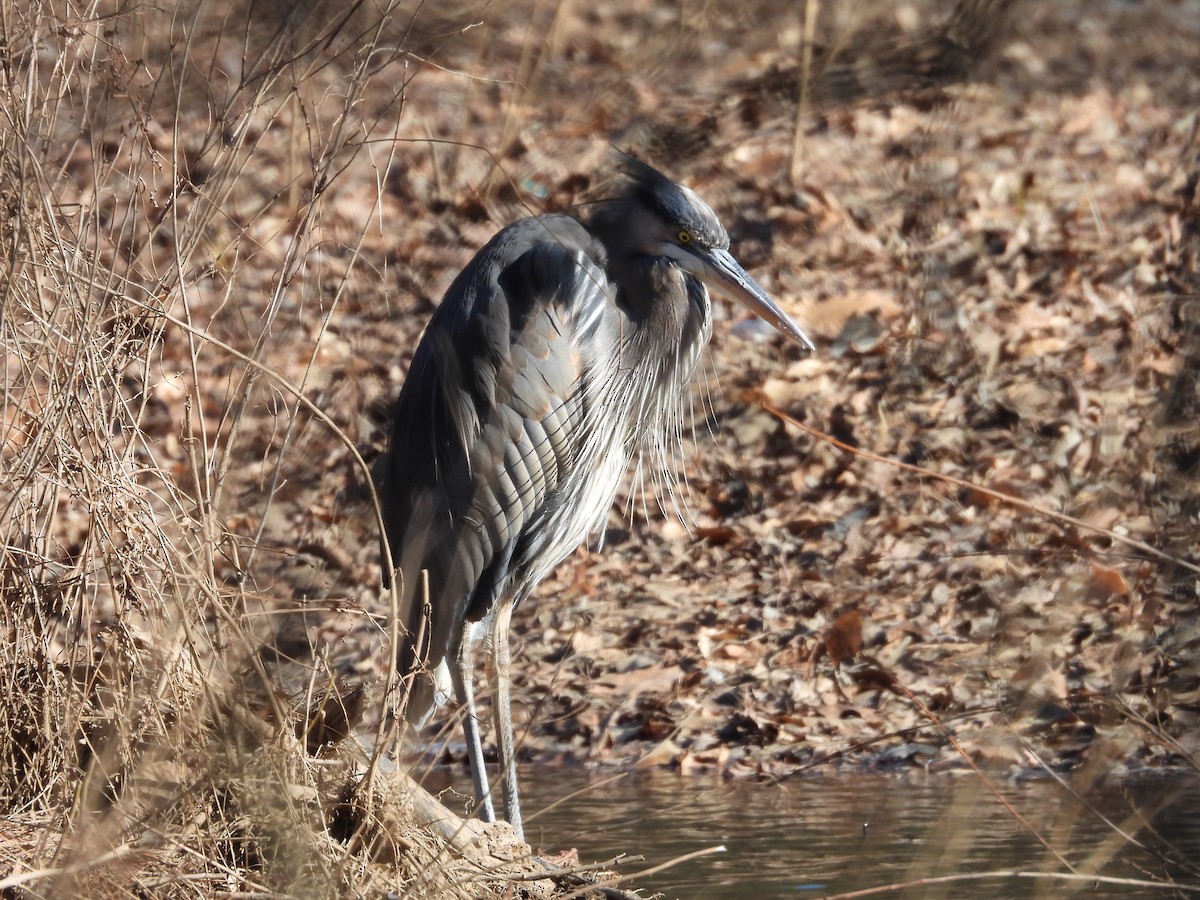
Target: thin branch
<point>989,492</point>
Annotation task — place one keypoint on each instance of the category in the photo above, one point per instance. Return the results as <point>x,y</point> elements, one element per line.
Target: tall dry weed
<point>142,155</point>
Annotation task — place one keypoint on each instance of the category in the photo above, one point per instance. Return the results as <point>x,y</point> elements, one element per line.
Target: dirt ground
<point>1000,274</point>
<point>986,214</point>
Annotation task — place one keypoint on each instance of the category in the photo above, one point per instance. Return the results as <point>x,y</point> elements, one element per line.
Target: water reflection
<point>818,836</point>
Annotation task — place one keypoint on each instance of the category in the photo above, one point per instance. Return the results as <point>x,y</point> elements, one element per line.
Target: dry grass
<point>137,752</point>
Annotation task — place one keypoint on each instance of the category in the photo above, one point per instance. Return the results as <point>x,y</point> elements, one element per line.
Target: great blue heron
<point>554,354</point>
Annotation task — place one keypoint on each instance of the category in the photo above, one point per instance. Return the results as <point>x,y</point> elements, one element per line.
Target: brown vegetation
<point>223,229</point>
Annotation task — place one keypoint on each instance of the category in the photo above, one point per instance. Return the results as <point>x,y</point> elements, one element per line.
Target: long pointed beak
<point>722,273</point>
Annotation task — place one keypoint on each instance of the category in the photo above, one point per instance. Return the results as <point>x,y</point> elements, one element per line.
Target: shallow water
<point>810,837</point>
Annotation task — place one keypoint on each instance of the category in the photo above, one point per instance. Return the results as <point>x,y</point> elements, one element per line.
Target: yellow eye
<point>685,237</point>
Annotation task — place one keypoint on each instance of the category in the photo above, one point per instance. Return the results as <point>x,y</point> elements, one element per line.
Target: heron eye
<point>685,237</point>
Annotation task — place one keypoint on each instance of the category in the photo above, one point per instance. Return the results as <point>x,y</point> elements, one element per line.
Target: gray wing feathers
<point>487,423</point>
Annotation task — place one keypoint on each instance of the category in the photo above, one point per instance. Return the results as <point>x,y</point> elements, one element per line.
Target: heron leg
<point>462,677</point>
<point>502,656</point>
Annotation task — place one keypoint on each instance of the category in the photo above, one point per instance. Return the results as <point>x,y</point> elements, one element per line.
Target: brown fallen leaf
<point>843,639</point>
<point>1106,583</point>
<point>662,754</point>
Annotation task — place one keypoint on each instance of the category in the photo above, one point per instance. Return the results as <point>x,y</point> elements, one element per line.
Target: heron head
<point>672,221</point>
